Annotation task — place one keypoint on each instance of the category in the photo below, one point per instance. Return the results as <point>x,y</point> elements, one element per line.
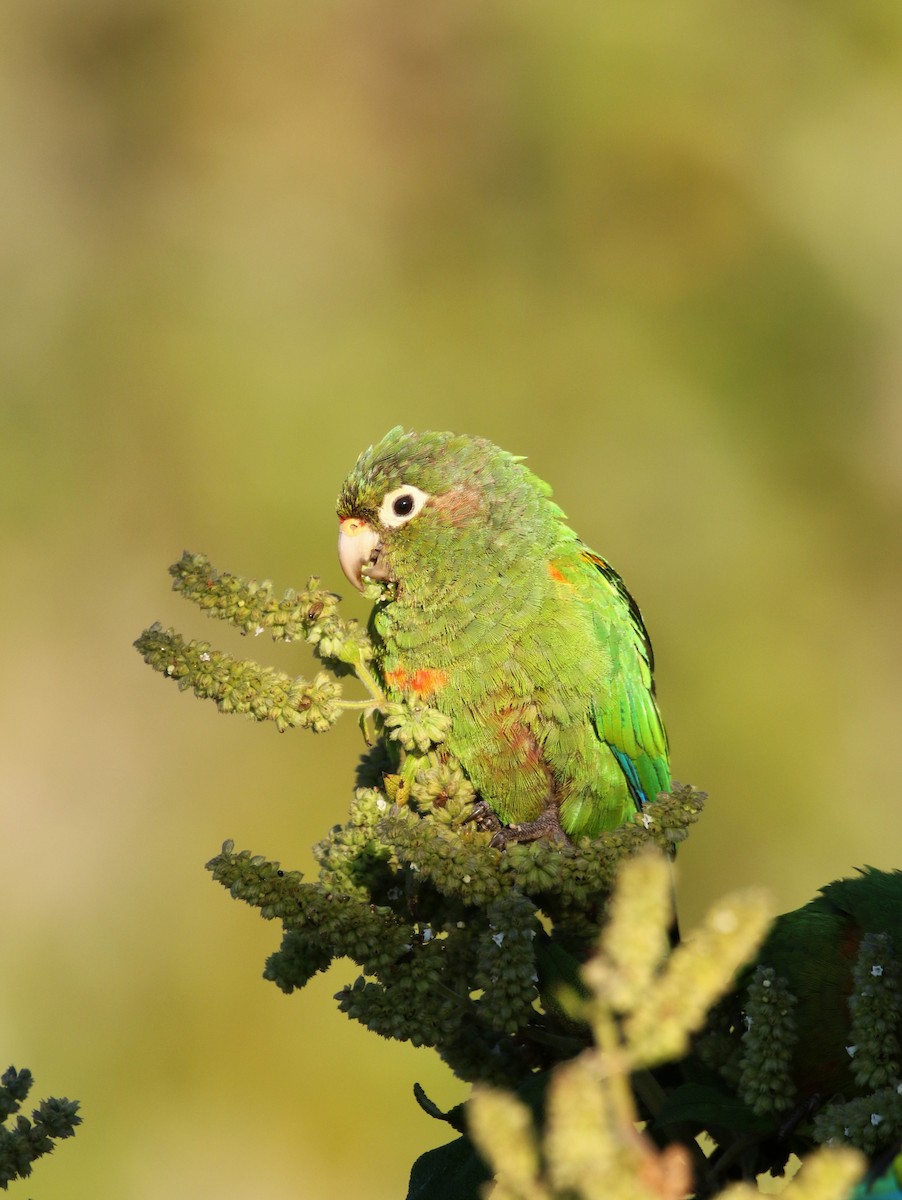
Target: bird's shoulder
<point>600,589</point>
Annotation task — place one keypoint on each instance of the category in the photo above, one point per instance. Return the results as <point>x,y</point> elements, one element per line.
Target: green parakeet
<point>493,612</point>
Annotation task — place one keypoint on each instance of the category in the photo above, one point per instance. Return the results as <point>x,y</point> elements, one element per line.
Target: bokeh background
<point>657,248</point>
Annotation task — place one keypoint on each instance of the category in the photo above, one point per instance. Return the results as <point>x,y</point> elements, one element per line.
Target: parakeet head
<point>419,508</point>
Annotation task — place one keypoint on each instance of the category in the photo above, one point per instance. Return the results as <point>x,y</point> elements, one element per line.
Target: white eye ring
<point>401,505</point>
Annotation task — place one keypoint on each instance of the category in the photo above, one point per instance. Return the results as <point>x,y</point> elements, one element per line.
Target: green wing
<point>627,718</point>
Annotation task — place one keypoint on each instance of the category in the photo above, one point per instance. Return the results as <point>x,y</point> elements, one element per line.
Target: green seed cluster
<point>765,1077</point>
<point>444,928</point>
<point>506,963</point>
<point>752,1039</point>
<point>309,615</point>
<point>346,926</point>
<point>442,790</point>
<point>876,1006</point>
<point>867,1122</point>
<point>659,1025</point>
<point>242,687</point>
<point>636,935</point>
<point>411,1002</point>
<point>583,1142</point>
<point>353,859</point>
<point>416,727</point>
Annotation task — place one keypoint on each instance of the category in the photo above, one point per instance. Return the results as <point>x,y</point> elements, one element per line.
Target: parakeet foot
<point>484,818</point>
<point>548,825</point>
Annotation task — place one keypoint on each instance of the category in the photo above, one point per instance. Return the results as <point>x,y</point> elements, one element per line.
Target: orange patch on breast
<point>423,682</point>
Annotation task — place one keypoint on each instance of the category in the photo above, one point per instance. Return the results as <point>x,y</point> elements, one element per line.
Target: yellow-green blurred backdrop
<point>655,247</point>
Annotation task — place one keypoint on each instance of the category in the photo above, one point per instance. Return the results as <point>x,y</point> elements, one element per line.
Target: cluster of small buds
<point>459,860</point>
<point>586,1150</point>
<point>430,911</point>
<point>328,638</point>
<point>368,933</point>
<point>506,963</point>
<point>317,703</point>
<point>460,867</point>
<point>416,727</point>
<point>876,1007</point>
<point>770,1037</point>
<point>342,645</point>
<point>592,869</point>
<point>353,859</point>
<point>242,687</point>
<point>478,1053</point>
<point>410,1003</point>
<point>249,605</point>
<point>661,1023</point>
<point>539,868</point>
<point>636,935</point>
<point>584,1142</point>
<point>592,1150</point>
<point>443,790</point>
<point>684,805</point>
<point>302,954</point>
<point>867,1122</point>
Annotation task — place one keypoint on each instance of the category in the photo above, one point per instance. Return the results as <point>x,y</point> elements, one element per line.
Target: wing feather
<point>627,717</point>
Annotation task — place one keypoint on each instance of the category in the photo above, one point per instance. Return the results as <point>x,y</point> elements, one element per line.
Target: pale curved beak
<point>358,547</point>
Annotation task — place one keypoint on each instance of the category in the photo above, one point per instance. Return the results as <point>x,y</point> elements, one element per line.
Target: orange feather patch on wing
<point>596,560</point>
<point>423,682</point>
<point>558,575</point>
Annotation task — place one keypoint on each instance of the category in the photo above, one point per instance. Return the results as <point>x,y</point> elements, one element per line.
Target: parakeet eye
<point>401,505</point>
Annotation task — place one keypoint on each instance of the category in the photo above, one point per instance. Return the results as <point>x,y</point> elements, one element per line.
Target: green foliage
<point>773,1096</point>
<point>456,941</point>
<point>27,1140</point>
<point>584,1142</point>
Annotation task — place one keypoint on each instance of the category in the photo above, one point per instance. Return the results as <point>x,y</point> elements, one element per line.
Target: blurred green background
<point>657,248</point>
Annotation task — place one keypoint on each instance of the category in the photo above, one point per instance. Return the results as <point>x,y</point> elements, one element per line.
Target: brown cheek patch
<point>422,683</point>
<point>459,505</point>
